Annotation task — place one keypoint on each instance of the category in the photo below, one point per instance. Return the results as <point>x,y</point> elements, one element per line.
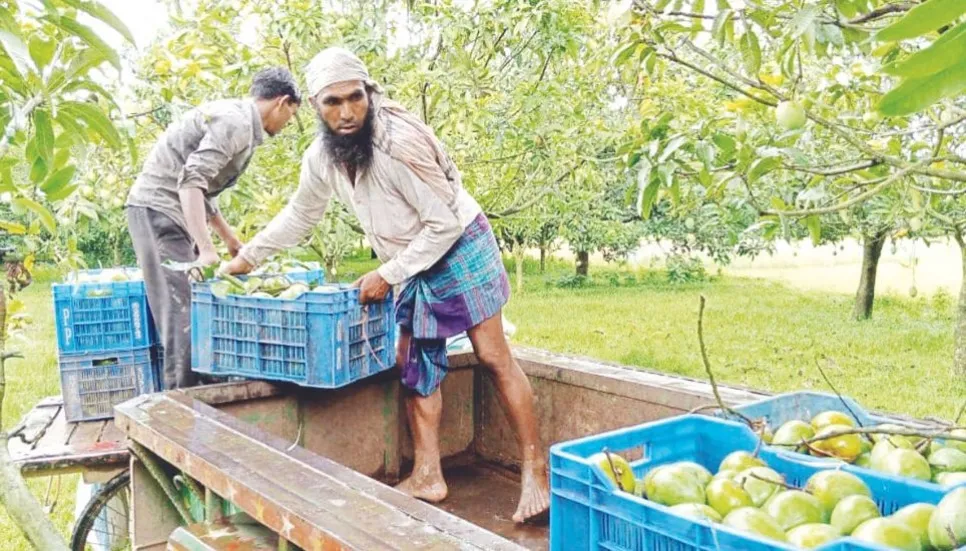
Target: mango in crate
<point>810,536</point>
<point>916,517</point>
<point>794,508</point>
<point>739,461</point>
<point>908,463</point>
<point>791,434</point>
<point>888,532</point>
<point>840,446</point>
<point>755,521</point>
<point>698,511</point>
<point>948,460</point>
<point>616,468</point>
<point>761,483</point>
<point>673,485</point>
<point>828,418</point>
<point>294,291</point>
<point>947,527</point>
<point>725,495</point>
<point>948,480</point>
<point>853,511</point>
<point>830,487</point>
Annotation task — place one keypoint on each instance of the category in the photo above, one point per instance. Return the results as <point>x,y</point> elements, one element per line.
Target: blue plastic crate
<point>318,340</point>
<point>99,317</point>
<point>587,512</point>
<point>780,409</point>
<point>92,384</point>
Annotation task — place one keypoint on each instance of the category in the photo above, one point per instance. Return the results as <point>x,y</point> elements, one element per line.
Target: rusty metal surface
<point>310,500</point>
<point>223,536</point>
<point>236,391</point>
<point>487,496</point>
<point>456,431</point>
<point>66,447</point>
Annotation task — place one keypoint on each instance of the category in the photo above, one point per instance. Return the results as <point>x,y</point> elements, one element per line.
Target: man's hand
<point>237,265</point>
<point>372,287</point>
<point>234,246</point>
<point>207,257</point>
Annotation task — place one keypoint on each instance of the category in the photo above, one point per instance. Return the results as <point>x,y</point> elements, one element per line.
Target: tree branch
<point>952,192</point>
<point>851,202</point>
<point>540,195</point>
<point>674,58</point>
<point>14,124</point>
<point>879,13</point>
<point>707,369</point>
<point>862,165</point>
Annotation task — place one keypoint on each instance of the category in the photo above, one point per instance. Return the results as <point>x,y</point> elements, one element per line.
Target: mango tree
<point>815,75</point>
<point>53,108</point>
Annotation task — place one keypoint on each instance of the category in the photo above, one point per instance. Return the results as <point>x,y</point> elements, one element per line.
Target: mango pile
<point>276,286</point>
<point>911,457</point>
<point>747,495</point>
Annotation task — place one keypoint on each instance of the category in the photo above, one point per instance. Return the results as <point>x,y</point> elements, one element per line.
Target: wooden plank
<point>305,505</point>
<point>85,434</point>
<point>222,536</point>
<point>37,421</point>
<point>111,433</point>
<point>153,517</point>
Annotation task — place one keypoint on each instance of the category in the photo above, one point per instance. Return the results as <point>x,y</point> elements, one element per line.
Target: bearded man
<point>391,171</point>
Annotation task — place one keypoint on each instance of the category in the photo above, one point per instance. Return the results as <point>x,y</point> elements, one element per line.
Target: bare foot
<point>425,484</point>
<point>534,492</point>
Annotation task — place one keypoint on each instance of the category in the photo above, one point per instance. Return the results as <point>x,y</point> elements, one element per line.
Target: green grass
<point>759,334</point>
<point>29,380</point>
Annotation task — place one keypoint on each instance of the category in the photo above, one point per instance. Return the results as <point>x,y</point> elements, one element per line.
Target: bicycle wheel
<point>103,524</point>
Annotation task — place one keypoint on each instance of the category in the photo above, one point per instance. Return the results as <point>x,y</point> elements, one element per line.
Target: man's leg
<point>493,352</point>
<point>424,413</point>
<point>157,238</point>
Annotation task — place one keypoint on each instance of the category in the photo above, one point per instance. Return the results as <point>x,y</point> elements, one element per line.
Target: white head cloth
<point>396,131</point>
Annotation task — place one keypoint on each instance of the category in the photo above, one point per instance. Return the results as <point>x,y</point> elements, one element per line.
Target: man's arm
<point>227,234</point>
<point>215,150</point>
<point>441,229</point>
<point>294,222</point>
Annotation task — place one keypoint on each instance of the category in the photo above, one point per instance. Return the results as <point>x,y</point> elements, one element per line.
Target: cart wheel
<point>103,525</point>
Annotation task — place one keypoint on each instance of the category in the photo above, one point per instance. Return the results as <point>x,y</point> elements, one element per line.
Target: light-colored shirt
<point>409,227</point>
<point>208,149</point>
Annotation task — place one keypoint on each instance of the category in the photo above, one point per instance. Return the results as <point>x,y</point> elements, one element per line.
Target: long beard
<point>354,149</point>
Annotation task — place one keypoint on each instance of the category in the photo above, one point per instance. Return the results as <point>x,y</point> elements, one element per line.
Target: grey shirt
<point>208,149</point>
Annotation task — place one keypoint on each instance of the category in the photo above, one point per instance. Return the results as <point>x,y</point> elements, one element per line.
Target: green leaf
<point>94,118</point>
<point>43,135</point>
<point>671,147</point>
<point>45,216</point>
<point>41,50</point>
<point>914,95</point>
<point>58,180</point>
<point>623,53</point>
<point>814,225</point>
<point>763,166</point>
<point>17,51</point>
<point>648,197</point>
<point>946,50</point>
<point>719,25</point>
<point>38,169</point>
<point>751,52</point>
<point>12,227</point>
<point>87,35</point>
<point>62,193</point>
<point>846,8</point>
<point>100,12</point>
<point>80,65</point>
<point>803,21</point>
<point>925,17</point>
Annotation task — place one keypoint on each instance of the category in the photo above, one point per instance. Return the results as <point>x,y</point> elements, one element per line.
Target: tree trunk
<point>865,295</point>
<point>15,496</point>
<point>583,263</point>
<point>543,258</point>
<point>518,254</point>
<point>959,356</point>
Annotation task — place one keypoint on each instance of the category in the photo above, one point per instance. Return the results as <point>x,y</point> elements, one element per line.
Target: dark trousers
<point>158,238</point>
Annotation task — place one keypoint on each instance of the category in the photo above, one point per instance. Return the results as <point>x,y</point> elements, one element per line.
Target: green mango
<point>621,473</point>
<point>739,461</point>
<point>791,434</point>
<point>832,486</point>
<point>810,536</point>
<point>761,483</point>
<point>948,480</point>
<point>948,460</point>
<point>888,532</point>
<point>674,485</point>
<point>755,521</point>
<point>947,527</point>
<point>697,510</point>
<point>794,508</point>
<point>916,517</point>
<point>852,511</point>
<point>907,463</point>
<point>725,495</point>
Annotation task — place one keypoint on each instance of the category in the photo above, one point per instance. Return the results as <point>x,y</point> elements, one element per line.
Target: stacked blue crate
<point>106,341</point>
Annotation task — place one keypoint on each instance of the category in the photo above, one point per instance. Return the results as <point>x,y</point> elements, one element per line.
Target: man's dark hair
<point>275,82</point>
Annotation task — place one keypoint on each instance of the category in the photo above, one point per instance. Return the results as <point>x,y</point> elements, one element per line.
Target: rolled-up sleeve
<point>296,220</point>
<point>440,229</point>
<point>223,139</point>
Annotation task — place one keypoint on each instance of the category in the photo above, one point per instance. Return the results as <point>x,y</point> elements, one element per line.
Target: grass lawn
<point>758,334</point>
